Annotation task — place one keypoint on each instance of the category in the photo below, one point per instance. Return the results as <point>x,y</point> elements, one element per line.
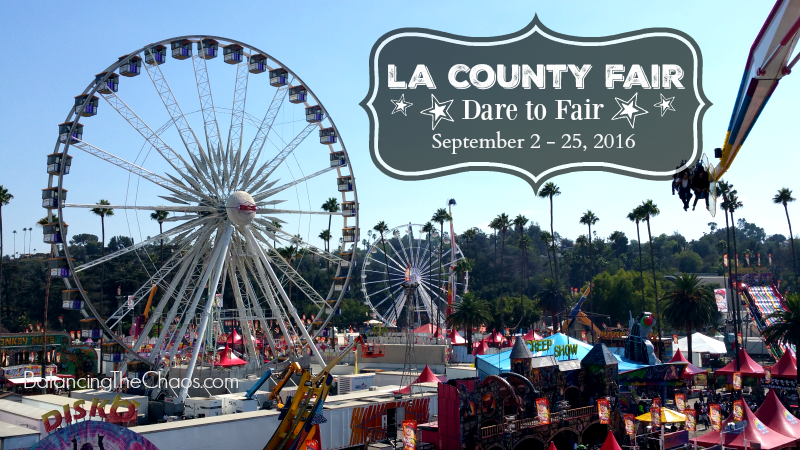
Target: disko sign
<point>54,419</point>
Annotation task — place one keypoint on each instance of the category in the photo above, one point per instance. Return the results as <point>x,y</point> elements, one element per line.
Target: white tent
<point>702,344</point>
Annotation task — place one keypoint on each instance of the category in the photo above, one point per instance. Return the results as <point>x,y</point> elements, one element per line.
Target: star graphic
<point>401,105</point>
<point>629,110</point>
<point>665,104</point>
<point>438,111</point>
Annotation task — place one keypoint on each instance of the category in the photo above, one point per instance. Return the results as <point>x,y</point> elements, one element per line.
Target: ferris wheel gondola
<point>224,227</point>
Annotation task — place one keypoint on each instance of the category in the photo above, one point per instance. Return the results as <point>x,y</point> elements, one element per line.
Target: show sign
<point>545,345</point>
<point>94,435</point>
<point>535,103</point>
<point>54,419</point>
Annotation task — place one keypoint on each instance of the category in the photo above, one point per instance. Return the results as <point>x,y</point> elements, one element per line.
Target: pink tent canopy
<point>749,368</point>
<point>228,359</point>
<point>691,370</point>
<point>755,431</point>
<point>496,338</point>
<point>610,443</point>
<point>236,338</point>
<point>775,416</point>
<point>531,336</point>
<point>429,328</point>
<point>426,376</point>
<point>786,367</point>
<point>456,339</point>
<point>552,446</point>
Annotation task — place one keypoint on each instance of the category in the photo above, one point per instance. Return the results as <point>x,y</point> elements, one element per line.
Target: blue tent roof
<point>501,362</point>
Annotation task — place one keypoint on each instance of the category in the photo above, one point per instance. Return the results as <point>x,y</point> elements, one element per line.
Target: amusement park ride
<point>222,195</point>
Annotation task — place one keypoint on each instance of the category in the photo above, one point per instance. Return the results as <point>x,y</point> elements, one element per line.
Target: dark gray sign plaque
<point>535,103</point>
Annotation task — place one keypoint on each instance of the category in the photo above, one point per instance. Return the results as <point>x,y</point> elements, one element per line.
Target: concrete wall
<point>395,356</point>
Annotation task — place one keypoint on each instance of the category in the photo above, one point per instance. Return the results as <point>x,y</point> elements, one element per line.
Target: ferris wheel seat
<point>86,108</point>
<point>110,85</point>
<point>156,55</point>
<point>54,162</point>
<point>297,94</point>
<point>72,305</point>
<point>233,54</point>
<point>132,67</point>
<point>278,77</point>
<point>208,49</point>
<point>314,114</point>
<point>181,49</point>
<point>258,64</point>
<point>327,136</point>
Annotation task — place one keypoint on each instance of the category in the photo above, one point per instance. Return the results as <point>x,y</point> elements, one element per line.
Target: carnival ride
<point>401,256</point>
<point>222,197</point>
<point>763,299</point>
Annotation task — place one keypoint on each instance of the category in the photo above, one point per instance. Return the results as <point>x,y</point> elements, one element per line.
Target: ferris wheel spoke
<point>404,260</point>
<point>186,171</point>
<point>287,302</point>
<point>274,191</point>
<point>391,293</point>
<point>176,187</point>
<point>400,266</point>
<point>193,147</point>
<point>396,268</point>
<point>170,208</point>
<point>273,164</point>
<point>234,146</point>
<point>288,271</point>
<point>210,125</point>
<point>179,229</point>
<point>294,211</point>
<point>280,234</point>
<point>240,307</point>
<point>264,128</point>
<point>242,268</point>
<point>395,312</point>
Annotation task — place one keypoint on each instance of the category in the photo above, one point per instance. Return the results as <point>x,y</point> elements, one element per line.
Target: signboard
<point>543,411</point>
<point>714,417</point>
<point>737,381</point>
<point>32,340</point>
<point>630,424</point>
<point>52,420</point>
<point>546,346</point>
<point>29,370</point>
<point>691,419</point>
<point>93,434</point>
<point>604,411</point>
<point>720,295</point>
<point>680,402</point>
<point>738,410</point>
<point>701,379</point>
<point>409,435</point>
<point>655,412</point>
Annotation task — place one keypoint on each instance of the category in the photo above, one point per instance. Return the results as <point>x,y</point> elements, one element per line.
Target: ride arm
<point>259,383</point>
<point>287,373</point>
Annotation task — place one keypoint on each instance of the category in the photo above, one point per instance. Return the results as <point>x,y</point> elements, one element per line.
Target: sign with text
<point>535,103</point>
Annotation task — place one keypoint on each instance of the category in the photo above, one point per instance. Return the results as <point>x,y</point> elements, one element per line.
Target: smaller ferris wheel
<point>409,255</point>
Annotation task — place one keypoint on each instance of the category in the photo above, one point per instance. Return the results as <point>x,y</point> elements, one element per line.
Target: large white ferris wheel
<point>226,200</point>
<point>404,256</point>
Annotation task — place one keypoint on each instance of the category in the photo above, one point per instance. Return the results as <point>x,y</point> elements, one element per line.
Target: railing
<point>519,425</point>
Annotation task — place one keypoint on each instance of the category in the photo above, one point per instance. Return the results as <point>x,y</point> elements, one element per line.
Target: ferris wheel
<point>219,199</point>
<point>408,257</point>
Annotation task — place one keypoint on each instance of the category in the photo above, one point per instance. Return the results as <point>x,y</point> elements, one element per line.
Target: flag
<point>675,340</point>
<point>759,259</point>
<point>725,259</point>
<point>680,402</point>
<point>630,424</point>
<point>691,420</point>
<point>119,290</point>
<point>767,375</point>
<point>603,410</point>
<point>619,325</point>
<point>736,262</point>
<point>770,258</point>
<point>583,336</point>
<point>543,411</point>
<point>737,381</point>
<point>738,410</point>
<point>747,259</point>
<point>604,326</point>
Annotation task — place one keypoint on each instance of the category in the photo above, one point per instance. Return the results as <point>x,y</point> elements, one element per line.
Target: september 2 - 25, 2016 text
<point>567,141</point>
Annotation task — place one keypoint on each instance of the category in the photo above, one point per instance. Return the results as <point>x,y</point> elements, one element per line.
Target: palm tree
<point>381,228</point>
<point>288,253</point>
<point>325,235</point>
<point>470,313</point>
<point>551,299</point>
<point>550,190</point>
<point>441,216</point>
<point>15,243</point>
<point>5,199</point>
<point>24,239</point>
<point>331,205</point>
<point>649,209</point>
<point>470,235</point>
<point>462,267</point>
<point>637,215</point>
<point>278,225</point>
<point>783,197</point>
<point>726,189</point>
<point>504,223</point>
<point>546,237</point>
<point>159,216</point>
<point>103,213</point>
<point>495,226</point>
<point>785,329</point>
<point>589,218</point>
<point>524,244</point>
<point>689,305</point>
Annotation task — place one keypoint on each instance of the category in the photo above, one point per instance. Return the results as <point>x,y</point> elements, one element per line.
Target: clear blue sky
<point>53,49</point>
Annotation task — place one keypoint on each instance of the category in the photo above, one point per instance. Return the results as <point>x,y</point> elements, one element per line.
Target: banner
<point>767,375</point>
<point>738,410</point>
<point>583,336</point>
<point>543,411</point>
<point>759,259</point>
<point>770,258</point>
<point>409,435</point>
<point>630,424</point>
<point>725,259</point>
<point>603,410</point>
<point>675,340</point>
<point>739,338</point>
<point>680,402</point>
<point>691,420</point>
<point>720,295</point>
<point>713,416</point>
<point>655,412</point>
<point>747,259</point>
<point>737,381</point>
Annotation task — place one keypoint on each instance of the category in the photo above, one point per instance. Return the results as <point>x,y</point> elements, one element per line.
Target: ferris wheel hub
<point>241,208</point>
